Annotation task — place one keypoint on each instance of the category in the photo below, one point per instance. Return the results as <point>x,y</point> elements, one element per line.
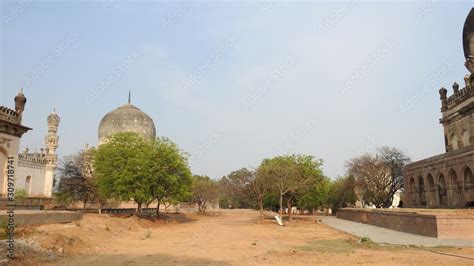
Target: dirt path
<point>229,239</point>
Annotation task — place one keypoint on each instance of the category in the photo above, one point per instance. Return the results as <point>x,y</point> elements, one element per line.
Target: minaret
<point>20,102</point>
<point>51,144</point>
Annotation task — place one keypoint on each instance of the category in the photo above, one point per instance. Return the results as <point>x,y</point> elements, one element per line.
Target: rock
<point>4,261</point>
<point>60,250</point>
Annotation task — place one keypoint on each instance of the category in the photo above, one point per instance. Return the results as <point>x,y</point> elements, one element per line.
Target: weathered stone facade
<point>34,172</point>
<point>447,180</point>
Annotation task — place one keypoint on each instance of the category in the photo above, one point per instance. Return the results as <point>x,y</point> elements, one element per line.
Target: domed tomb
<point>126,118</point>
<point>468,41</point>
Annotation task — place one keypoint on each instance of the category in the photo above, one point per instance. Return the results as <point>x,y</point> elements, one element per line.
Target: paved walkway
<point>386,236</point>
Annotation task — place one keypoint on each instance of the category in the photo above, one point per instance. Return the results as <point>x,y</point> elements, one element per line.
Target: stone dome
<point>468,41</point>
<point>126,118</point>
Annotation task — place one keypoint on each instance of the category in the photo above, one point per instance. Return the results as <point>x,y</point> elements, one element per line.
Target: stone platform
<point>27,217</point>
<point>439,223</point>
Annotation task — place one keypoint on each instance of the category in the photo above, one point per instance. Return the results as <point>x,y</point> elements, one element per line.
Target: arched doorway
<point>455,190</point>
<point>422,191</point>
<point>468,185</point>
<point>413,193</point>
<point>432,201</point>
<point>3,172</point>
<point>442,192</point>
<point>28,185</point>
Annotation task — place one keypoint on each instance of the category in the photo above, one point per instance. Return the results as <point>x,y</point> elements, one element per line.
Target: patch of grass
<point>3,230</point>
<point>147,233</point>
<point>329,246</point>
<point>366,241</point>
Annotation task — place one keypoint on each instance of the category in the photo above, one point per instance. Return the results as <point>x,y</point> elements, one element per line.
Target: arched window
<point>442,191</point>
<point>468,185</point>
<point>431,191</point>
<point>28,185</point>
<point>413,192</point>
<point>455,189</point>
<point>422,191</point>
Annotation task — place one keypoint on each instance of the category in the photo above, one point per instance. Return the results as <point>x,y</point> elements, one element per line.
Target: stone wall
<point>446,226</point>
<point>41,217</point>
<point>441,181</point>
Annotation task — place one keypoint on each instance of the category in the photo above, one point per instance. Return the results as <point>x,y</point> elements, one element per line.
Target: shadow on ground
<point>123,259</point>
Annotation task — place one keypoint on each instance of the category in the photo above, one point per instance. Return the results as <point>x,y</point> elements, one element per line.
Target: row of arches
<point>451,190</point>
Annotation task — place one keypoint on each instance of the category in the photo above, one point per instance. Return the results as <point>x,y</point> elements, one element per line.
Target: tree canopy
<point>129,167</point>
<point>378,176</point>
<point>204,191</point>
<point>289,174</point>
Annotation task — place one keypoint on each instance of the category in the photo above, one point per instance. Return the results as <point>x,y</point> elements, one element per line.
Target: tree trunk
<point>281,205</point>
<point>288,205</point>
<point>139,209</point>
<point>261,207</point>
<point>158,210</point>
<point>203,208</point>
<point>85,204</point>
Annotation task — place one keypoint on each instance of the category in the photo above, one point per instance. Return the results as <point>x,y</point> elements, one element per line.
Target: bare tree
<point>378,177</point>
<point>77,178</point>
<point>396,160</point>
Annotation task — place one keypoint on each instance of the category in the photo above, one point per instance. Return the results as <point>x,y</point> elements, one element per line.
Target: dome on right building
<point>468,41</point>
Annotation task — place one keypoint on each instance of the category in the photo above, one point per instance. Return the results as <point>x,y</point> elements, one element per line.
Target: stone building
<point>34,172</point>
<point>447,180</point>
<point>126,118</point>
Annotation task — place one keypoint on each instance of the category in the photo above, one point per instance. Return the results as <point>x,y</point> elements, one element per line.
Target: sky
<point>235,82</point>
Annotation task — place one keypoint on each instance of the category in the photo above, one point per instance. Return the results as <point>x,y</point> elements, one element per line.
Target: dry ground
<point>231,238</point>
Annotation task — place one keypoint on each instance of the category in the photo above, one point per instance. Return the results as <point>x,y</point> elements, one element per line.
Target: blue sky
<point>234,82</point>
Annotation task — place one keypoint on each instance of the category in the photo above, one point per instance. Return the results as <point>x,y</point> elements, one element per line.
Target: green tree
<point>171,177</point>
<point>288,174</point>
<point>235,189</point>
<point>261,186</point>
<point>314,197</point>
<point>204,191</point>
<point>124,168</point>
<point>342,192</point>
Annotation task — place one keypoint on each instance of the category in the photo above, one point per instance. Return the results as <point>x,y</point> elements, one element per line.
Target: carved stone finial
<point>444,99</point>
<point>456,87</point>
